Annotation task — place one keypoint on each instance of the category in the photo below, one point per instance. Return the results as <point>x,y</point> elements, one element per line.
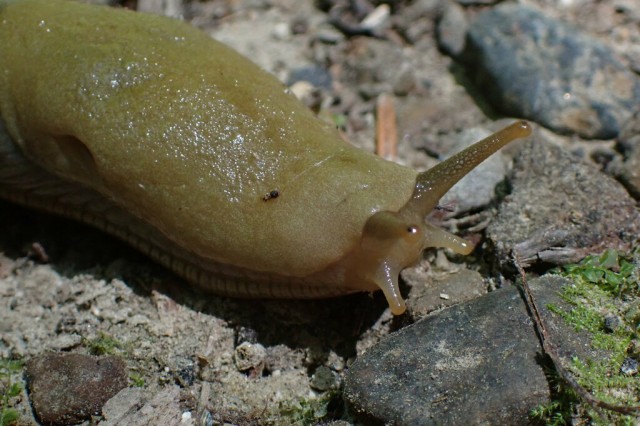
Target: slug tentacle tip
<point>432,184</point>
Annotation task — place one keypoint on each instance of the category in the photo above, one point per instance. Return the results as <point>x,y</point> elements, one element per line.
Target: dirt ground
<point>67,287</point>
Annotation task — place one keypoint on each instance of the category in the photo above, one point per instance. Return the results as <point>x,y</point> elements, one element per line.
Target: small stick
<point>386,128</point>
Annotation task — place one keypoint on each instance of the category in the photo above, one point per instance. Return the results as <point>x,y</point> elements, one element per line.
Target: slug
<point>147,128</point>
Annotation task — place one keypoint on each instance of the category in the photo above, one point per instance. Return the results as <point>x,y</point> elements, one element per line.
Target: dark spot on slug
<point>412,229</point>
<point>273,194</point>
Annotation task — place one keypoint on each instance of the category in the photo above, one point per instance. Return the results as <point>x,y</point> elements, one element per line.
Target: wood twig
<point>386,128</point>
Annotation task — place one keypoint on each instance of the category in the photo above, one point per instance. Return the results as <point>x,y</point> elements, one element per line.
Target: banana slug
<point>150,130</point>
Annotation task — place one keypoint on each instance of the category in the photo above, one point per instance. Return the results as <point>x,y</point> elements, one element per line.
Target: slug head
<point>392,241</point>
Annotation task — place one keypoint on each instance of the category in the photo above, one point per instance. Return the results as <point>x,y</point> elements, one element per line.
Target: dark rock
<point>474,363</point>
<point>324,379</point>
<point>319,77</point>
<point>629,367</point>
<point>69,388</point>
<point>629,143</point>
<point>468,364</point>
<point>532,66</point>
<point>560,209</point>
<point>611,323</point>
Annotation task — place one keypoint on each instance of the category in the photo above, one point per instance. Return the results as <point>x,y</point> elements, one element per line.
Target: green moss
<point>604,285</point>
<point>9,390</point>
<point>104,344</point>
<point>309,411</point>
<point>137,380</point>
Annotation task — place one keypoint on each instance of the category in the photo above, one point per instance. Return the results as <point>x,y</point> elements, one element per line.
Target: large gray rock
<point>470,364</point>
<point>474,363</point>
<point>532,66</point>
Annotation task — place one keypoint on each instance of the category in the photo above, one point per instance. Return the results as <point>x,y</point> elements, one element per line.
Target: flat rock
<point>440,290</point>
<point>66,389</point>
<point>532,66</point>
<point>560,209</point>
<point>138,407</point>
<point>474,363</point>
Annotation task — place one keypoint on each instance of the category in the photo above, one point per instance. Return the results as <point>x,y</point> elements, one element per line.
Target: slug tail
<point>432,184</point>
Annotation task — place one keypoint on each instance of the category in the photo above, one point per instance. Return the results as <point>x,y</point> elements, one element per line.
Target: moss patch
<point>9,390</point>
<point>603,301</point>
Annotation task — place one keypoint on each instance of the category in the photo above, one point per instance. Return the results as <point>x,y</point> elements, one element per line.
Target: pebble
<point>66,341</point>
<point>324,379</point>
<point>250,356</point>
<point>629,367</point>
<point>560,209</point>
<point>452,30</point>
<point>612,323</point>
<point>473,363</point>
<point>137,407</point>
<point>532,66</point>
<point>317,77</point>
<point>66,389</point>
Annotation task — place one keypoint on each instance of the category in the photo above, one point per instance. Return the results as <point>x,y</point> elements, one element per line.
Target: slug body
<point>152,131</point>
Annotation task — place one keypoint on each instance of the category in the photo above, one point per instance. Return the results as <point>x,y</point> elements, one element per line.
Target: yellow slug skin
<point>171,140</point>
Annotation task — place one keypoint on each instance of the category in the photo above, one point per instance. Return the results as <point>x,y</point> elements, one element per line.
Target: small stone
<point>281,31</point>
<point>324,379</point>
<point>452,30</point>
<point>318,77</point>
<point>611,323</point>
<point>137,407</point>
<point>66,341</point>
<point>405,82</point>
<point>634,349</point>
<point>378,19</point>
<point>329,35</point>
<point>67,389</point>
<point>629,367</point>
<point>250,357</point>
<point>123,402</point>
